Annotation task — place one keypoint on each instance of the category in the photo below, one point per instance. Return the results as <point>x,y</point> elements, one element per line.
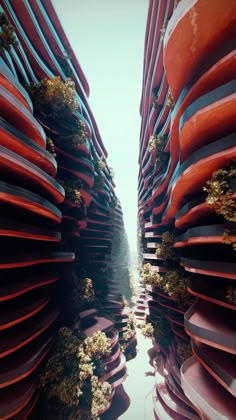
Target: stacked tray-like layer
<point>123,321</point>
<point>199,61</point>
<point>29,242</point>
<point>41,225</point>
<point>115,373</point>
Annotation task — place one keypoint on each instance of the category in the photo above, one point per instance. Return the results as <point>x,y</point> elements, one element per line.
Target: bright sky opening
<point>107,37</point>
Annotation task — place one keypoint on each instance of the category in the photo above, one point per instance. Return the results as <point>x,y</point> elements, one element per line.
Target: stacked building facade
<point>59,213</point>
<point>187,209</point>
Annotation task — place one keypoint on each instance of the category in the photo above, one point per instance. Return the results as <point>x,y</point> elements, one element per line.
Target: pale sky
<point>107,37</point>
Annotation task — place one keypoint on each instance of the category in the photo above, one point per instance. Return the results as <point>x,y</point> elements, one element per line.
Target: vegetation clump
<point>55,102</point>
<point>155,97</point>
<point>130,327</point>
<point>149,276</point>
<point>76,136</point>
<point>70,376</point>
<point>50,147</point>
<point>156,146</point>
<point>170,101</point>
<point>165,250</point>
<point>7,35</point>
<point>175,285</point>
<point>72,189</point>
<point>55,96</point>
<point>147,329</point>
<point>219,196</point>
<point>100,164</point>
<point>229,238</point>
<point>80,296</point>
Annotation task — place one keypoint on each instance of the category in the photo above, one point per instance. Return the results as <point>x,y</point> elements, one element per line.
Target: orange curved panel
<point>194,178</point>
<point>194,33</point>
<point>13,111</point>
<point>193,215</point>
<point>12,85</point>
<point>15,141</point>
<point>27,174</point>
<point>210,268</point>
<point>21,198</point>
<point>208,123</point>
<point>20,230</point>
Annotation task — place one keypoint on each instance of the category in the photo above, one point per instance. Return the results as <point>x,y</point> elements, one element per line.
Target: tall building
<point>187,208</point>
<point>61,221</point>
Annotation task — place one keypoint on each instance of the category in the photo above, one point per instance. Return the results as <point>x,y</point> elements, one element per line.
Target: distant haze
<point>107,37</point>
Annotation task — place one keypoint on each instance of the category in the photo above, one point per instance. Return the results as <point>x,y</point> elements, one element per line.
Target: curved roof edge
<point>56,22</point>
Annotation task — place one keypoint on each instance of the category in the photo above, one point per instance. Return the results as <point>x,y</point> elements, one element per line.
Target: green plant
<point>100,164</point>
<point>101,392</point>
<point>54,96</point>
<point>156,146</point>
<point>229,238</point>
<point>70,378</point>
<point>81,295</point>
<point>162,32</point>
<point>60,376</point>
<point>50,147</point>
<point>165,249</point>
<point>7,36</point>
<point>219,196</point>
<point>130,327</point>
<point>147,329</point>
<point>150,276</point>
<point>175,285</point>
<point>170,101</point>
<point>72,189</point>
<point>84,292</point>
<point>75,137</point>
<point>155,96</point>
<point>95,347</point>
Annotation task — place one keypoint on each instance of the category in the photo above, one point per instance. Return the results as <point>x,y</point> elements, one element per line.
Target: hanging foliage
<point>71,375</point>
<point>72,189</point>
<point>156,146</point>
<point>165,250</point>
<point>7,33</point>
<point>219,196</point>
